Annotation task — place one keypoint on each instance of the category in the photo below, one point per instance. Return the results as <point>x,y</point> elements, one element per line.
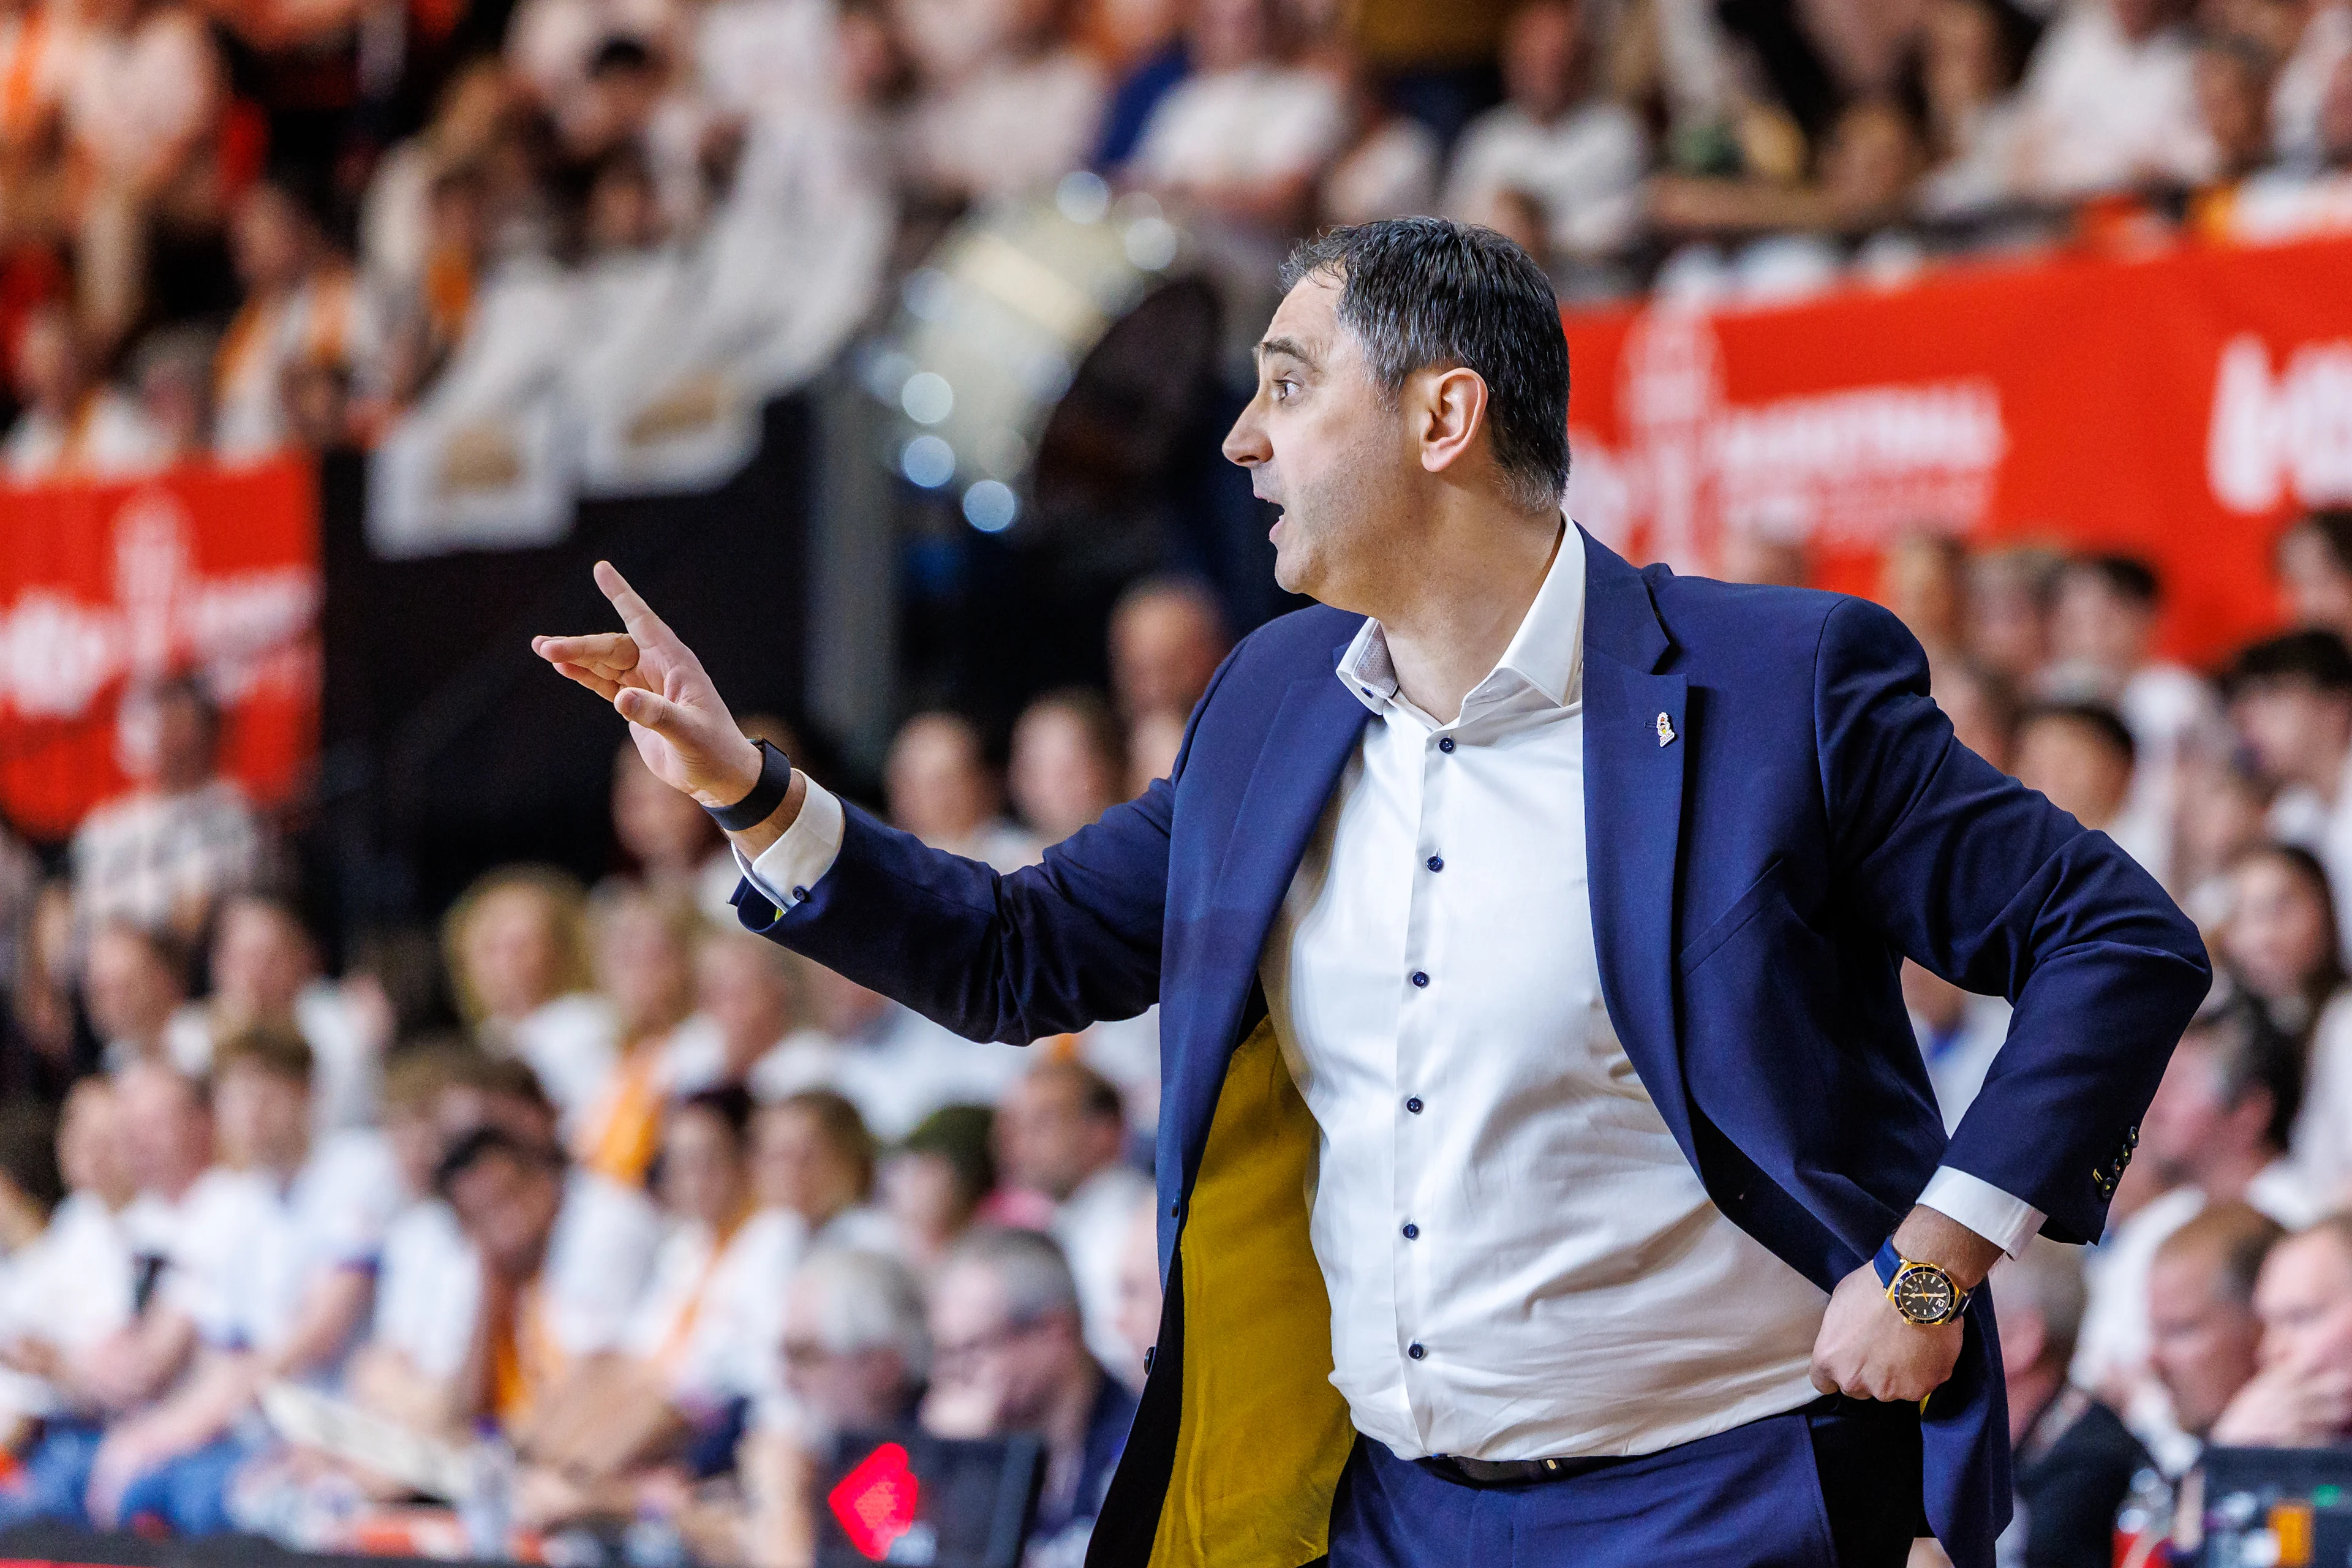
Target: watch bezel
<point>1924,1295</point>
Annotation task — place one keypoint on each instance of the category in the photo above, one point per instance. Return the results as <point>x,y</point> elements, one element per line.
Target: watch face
<point>1923,1295</point>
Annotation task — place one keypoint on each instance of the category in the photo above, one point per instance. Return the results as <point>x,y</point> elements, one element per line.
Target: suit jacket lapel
<point>1632,821</point>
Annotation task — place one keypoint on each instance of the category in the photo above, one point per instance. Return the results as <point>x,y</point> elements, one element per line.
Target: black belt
<point>1514,1472</point>
<point>1526,1472</point>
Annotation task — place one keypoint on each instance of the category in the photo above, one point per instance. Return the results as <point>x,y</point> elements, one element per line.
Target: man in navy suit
<point>1547,1170</point>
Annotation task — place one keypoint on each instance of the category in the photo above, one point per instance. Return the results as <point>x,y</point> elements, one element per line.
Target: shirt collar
<point>1547,652</point>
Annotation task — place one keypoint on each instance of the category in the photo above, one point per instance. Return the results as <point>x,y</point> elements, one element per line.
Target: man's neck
<point>1454,616</point>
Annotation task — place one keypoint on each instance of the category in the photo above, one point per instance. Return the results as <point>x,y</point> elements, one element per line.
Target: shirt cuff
<point>789,869</point>
<point>2008,1222</point>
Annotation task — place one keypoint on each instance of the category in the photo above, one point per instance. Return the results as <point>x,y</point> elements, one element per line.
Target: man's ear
<point>1450,410</point>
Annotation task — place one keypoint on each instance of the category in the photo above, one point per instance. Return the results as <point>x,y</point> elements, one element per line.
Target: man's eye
<point>1282,390</point>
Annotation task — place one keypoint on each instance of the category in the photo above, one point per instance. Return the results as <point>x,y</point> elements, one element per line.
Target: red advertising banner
<point>2180,406</point>
<point>103,587</point>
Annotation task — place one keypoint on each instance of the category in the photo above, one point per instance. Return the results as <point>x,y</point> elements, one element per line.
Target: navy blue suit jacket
<point>1755,883</point>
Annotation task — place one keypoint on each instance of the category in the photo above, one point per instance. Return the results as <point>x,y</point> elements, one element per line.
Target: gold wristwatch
<point>1926,1296</point>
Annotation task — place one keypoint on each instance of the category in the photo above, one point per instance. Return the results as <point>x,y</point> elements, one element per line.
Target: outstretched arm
<point>1042,951</point>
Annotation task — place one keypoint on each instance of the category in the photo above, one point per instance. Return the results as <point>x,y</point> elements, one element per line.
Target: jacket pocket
<point>1760,894</point>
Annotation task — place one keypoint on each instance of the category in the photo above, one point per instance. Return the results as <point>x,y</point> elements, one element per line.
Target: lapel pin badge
<point>1665,730</point>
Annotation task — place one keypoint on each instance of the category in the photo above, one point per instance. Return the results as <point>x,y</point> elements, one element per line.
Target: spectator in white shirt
<point>287,1296</point>
<point>1243,137</point>
<point>746,994</point>
<point>184,837</point>
<point>1012,121</point>
<point>2110,100</point>
<point>134,988</point>
<point>2081,755</point>
<point>1388,167</point>
<point>1559,166</point>
<point>2298,96</point>
<point>429,1286</point>
<point>2314,565</point>
<point>2277,936</point>
<point>813,1168</point>
<point>893,1064</point>
<point>2102,635</point>
<point>696,1349</point>
<point>67,1275</point>
<point>934,1182</point>
<point>645,962</point>
<point>142,115</point>
<point>596,1263</point>
<point>2302,1397</point>
<point>940,789</point>
<point>264,970</point>
<point>1167,636</point>
<point>697,1332</point>
<point>74,425</point>
<point>2279,939</point>
<point>1068,765</point>
<point>1972,54</point>
<point>516,947</point>
<point>1059,1134</point>
<point>304,316</point>
<point>557,1293</point>
<point>71,1289</point>
<point>187,1207</point>
<point>2203,1335</point>
<point>2291,701</point>
<point>2217,1131</point>
<point>98,1330</point>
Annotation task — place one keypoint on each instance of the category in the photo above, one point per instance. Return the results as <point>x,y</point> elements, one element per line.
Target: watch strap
<point>775,779</point>
<point>1888,1263</point>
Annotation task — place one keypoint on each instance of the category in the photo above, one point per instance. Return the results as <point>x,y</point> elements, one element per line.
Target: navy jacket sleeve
<point>1045,950</point>
<point>1989,885</point>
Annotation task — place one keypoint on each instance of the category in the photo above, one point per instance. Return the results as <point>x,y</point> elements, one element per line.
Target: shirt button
<point>1414,1350</point>
<point>799,895</point>
<point>1436,863</point>
<point>1414,1105</point>
<point>1445,742</point>
<point>1419,979</point>
<point>1412,1231</point>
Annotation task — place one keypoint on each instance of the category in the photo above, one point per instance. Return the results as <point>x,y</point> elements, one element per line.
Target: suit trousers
<point>1834,1485</point>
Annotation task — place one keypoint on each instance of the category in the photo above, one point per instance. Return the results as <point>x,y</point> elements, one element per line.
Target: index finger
<point>635,613</point>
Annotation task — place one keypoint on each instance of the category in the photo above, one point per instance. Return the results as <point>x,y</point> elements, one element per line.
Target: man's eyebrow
<point>1290,346</point>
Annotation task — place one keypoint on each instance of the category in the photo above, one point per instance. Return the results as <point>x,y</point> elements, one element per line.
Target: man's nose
<point>1246,443</point>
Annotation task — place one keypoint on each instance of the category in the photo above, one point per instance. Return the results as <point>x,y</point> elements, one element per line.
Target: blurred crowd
<point>598,1150</point>
<point>227,226</point>
<point>590,1172</point>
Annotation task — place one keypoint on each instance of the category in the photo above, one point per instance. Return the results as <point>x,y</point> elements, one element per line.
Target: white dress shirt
<point>1521,1264</point>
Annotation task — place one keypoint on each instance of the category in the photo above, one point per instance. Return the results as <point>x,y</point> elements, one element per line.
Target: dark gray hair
<point>866,1300</point>
<point>1032,1269</point>
<point>1423,293</point>
<point>2045,1280</point>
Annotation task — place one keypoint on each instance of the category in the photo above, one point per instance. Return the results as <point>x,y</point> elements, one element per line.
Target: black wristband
<point>775,779</point>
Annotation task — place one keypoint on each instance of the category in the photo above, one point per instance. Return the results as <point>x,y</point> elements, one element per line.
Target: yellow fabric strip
<point>1263,1435</point>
